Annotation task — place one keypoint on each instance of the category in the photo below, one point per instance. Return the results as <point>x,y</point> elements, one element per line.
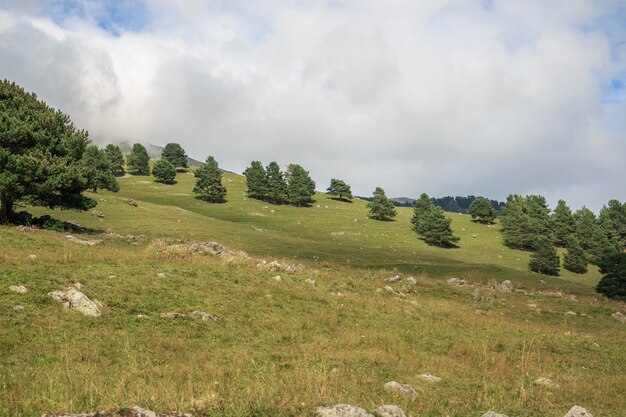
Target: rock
<point>121,412</point>
<point>577,411</point>
<point>204,316</point>
<point>341,410</point>
<point>505,286</point>
<point>276,266</point>
<point>173,315</point>
<point>429,378</point>
<point>32,257</point>
<point>388,288</point>
<point>278,278</point>
<point>493,414</point>
<point>83,242</point>
<point>160,275</point>
<point>97,214</point>
<point>338,294</point>
<point>411,281</point>
<point>402,389</point>
<point>310,281</point>
<point>18,308</point>
<point>73,299</point>
<point>570,313</point>
<point>25,228</point>
<point>456,281</point>
<point>78,285</point>
<point>141,316</point>
<point>131,202</point>
<point>619,316</point>
<point>389,411</point>
<point>20,289</point>
<point>545,382</point>
<point>395,278</point>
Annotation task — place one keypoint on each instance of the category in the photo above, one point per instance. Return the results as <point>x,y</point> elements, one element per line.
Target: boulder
<point>395,278</point>
<point>505,286</point>
<point>619,316</point>
<point>32,257</point>
<point>456,281</point>
<point>545,382</point>
<point>341,410</point>
<point>20,289</point>
<point>278,278</point>
<point>399,388</point>
<point>74,299</point>
<point>131,202</point>
<point>577,411</point>
<point>411,281</point>
<point>389,411</point>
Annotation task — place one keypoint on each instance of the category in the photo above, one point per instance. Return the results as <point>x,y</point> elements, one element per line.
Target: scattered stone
<point>121,412</point>
<point>18,308</point>
<point>131,202</point>
<point>578,411</point>
<point>20,289</point>
<point>545,382</point>
<point>310,281</point>
<point>276,266</point>
<point>173,315</point>
<point>78,285</point>
<point>411,281</point>
<point>505,286</point>
<point>97,214</point>
<point>141,316</point>
<point>25,228</point>
<point>456,281</point>
<point>73,299</point>
<point>395,278</point>
<point>619,316</point>
<point>338,294</point>
<point>32,257</point>
<point>341,410</point>
<point>389,289</point>
<point>532,305</point>
<point>429,378</point>
<point>204,316</point>
<point>83,242</point>
<point>399,388</point>
<point>278,278</point>
<point>570,313</point>
<point>160,275</point>
<point>166,247</point>
<point>493,414</point>
<point>389,411</point>
<point>133,240</point>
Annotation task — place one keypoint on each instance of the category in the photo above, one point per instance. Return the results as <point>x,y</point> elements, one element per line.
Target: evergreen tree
<point>423,206</point>
<point>482,210</point>
<point>256,180</point>
<point>544,259</point>
<point>300,186</point>
<point>339,188</point>
<point>435,229</point>
<point>276,184</point>
<point>585,225</point>
<point>40,155</point>
<point>98,170</point>
<point>381,208</point>
<point>515,223</point>
<point>575,259</point>
<point>116,160</point>
<point>175,155</point>
<point>563,224</point>
<point>538,218</point>
<point>613,283</point>
<point>164,172</point>
<point>209,182</point>
<point>138,161</point>
<point>612,220</point>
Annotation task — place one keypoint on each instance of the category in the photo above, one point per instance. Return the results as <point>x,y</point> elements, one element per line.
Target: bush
<point>613,283</point>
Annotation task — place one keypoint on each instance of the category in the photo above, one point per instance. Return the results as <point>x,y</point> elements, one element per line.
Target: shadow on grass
<point>343,200</point>
<point>201,198</point>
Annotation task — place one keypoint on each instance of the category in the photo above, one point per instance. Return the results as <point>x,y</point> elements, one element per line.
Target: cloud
<point>445,97</point>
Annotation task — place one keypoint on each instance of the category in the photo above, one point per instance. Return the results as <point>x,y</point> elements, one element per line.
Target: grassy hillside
<point>282,348</point>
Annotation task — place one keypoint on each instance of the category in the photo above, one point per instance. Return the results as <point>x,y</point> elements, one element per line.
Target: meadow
<point>281,348</point>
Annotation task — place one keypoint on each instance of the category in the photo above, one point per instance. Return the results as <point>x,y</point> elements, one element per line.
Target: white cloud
<point>446,97</point>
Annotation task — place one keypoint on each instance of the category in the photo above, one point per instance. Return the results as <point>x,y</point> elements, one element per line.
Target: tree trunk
<point>6,209</point>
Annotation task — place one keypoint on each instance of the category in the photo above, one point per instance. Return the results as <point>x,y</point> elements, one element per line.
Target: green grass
<point>284,348</point>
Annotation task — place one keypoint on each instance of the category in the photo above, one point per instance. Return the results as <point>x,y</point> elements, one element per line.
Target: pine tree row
<point>294,186</point>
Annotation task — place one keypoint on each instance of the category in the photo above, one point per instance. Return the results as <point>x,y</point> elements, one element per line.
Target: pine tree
<point>538,218</point>
<point>544,259</point>
<point>613,283</point>
<point>256,180</point>
<point>381,208</point>
<point>116,160</point>
<point>339,188</point>
<point>435,229</point>
<point>482,210</point>
<point>612,220</point>
<point>276,184</point>
<point>575,259</point>
<point>175,155</point>
<point>300,186</point>
<point>138,160</point>
<point>515,222</point>
<point>585,225</point>
<point>423,206</point>
<point>98,169</point>
<point>209,182</point>
<point>563,224</point>
<point>40,155</point>
<point>164,172</point>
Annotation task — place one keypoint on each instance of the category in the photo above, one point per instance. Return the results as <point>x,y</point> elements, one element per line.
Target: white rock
<point>160,275</point>
<point>577,411</point>
<point>493,414</point>
<point>619,316</point>
<point>18,308</point>
<point>399,388</point>
<point>388,288</point>
<point>505,286</point>
<point>20,289</point>
<point>456,281</point>
<point>395,278</point>
<point>411,281</point>
<point>204,316</point>
<point>83,242</point>
<point>278,278</point>
<point>73,299</point>
<point>32,257</point>
<point>173,315</point>
<point>429,378</point>
<point>141,316</point>
<point>341,410</point>
<point>545,382</point>
<point>570,313</point>
<point>389,411</point>
<point>310,281</point>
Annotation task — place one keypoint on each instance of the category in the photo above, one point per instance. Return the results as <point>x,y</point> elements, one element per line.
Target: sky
<point>447,97</point>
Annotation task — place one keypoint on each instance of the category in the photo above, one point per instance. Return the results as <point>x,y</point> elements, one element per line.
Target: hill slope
<point>282,347</point>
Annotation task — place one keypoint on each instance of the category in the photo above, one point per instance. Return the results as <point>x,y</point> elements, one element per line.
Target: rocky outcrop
<point>121,412</point>
<point>505,286</point>
<point>74,299</point>
<point>577,411</point>
<point>341,410</point>
<point>389,411</point>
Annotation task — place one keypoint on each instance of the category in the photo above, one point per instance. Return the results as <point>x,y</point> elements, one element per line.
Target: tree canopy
<point>544,259</point>
<point>276,185</point>
<point>256,180</point>
<point>431,224</point>
<point>339,188</point>
<point>40,155</point>
<point>164,172</point>
<point>482,210</point>
<point>138,161</point>
<point>175,155</point>
<point>116,160</point>
<point>381,208</point>
<point>209,182</point>
<point>300,186</point>
<point>613,283</point>
<point>563,224</point>
<point>98,169</point>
